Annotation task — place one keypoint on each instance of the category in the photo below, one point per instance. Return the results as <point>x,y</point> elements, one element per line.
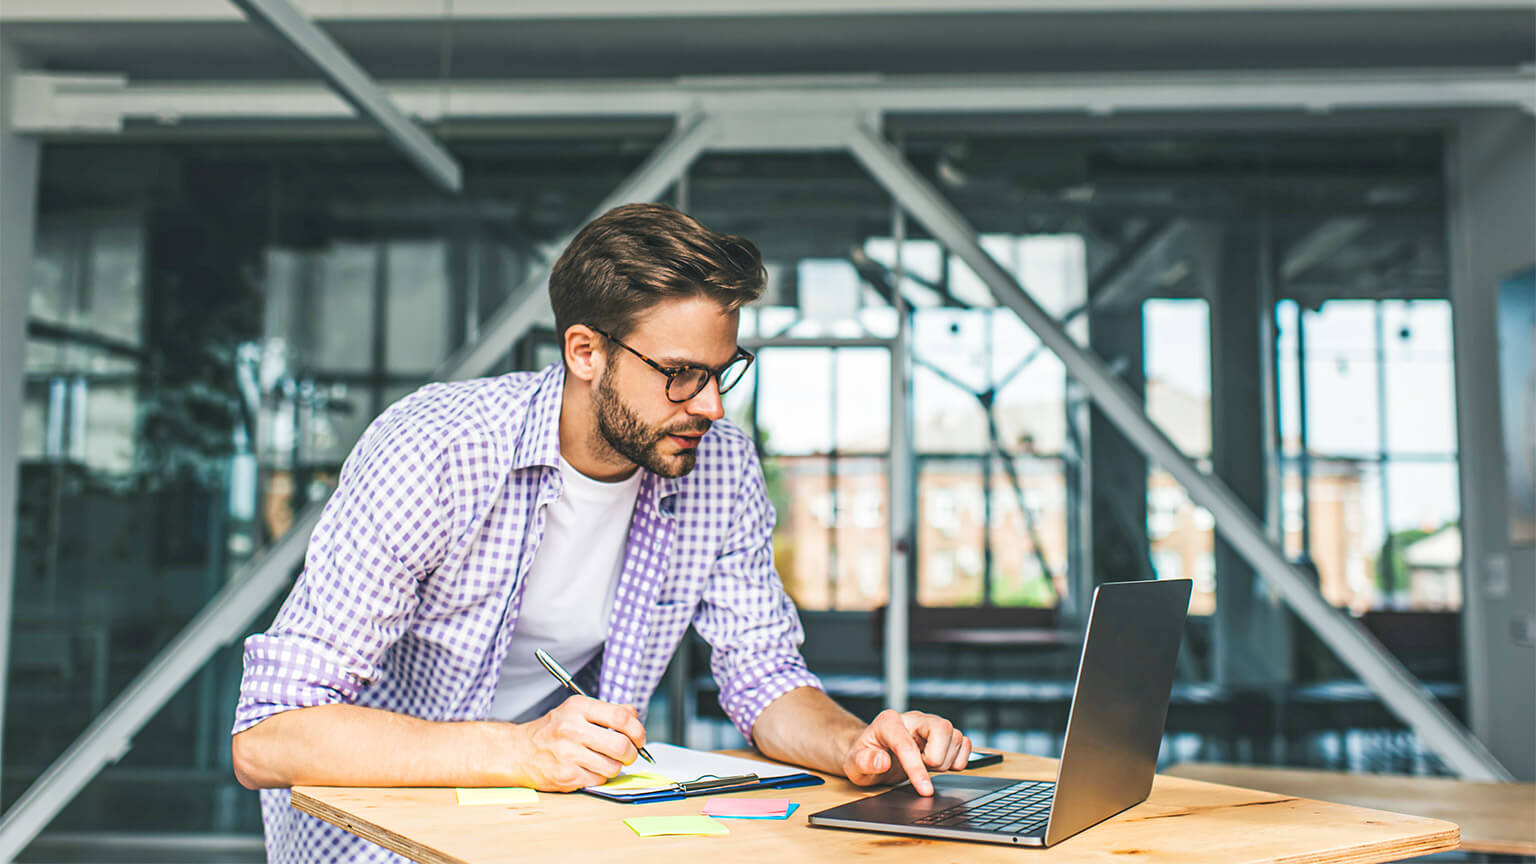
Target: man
<point>595,510</point>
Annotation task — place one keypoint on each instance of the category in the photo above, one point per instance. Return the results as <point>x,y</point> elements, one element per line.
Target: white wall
<point>1491,169</point>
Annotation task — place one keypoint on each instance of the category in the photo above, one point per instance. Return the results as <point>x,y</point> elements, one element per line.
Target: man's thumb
<point>876,761</point>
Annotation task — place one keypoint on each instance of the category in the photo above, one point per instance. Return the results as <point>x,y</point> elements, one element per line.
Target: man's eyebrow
<point>674,360</point>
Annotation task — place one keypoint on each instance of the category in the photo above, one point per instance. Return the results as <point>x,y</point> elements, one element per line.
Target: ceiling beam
<point>61,103</point>
<point>409,10</point>
<point>352,84</point>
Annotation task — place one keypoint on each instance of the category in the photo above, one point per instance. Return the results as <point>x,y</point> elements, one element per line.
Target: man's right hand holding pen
<point>582,742</point>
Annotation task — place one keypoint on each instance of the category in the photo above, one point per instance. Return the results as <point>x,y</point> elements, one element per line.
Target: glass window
<point>420,303</point>
<point>1358,501</point>
<point>339,330</point>
<point>951,532</point>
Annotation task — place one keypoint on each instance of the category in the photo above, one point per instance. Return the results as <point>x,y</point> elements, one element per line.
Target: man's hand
<point>906,745</point>
<point>583,742</point>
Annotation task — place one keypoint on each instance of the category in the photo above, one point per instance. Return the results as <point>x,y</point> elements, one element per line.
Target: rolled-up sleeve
<point>746,616</point>
<point>382,531</point>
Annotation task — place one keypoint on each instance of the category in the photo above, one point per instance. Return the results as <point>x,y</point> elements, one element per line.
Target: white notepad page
<point>680,764</point>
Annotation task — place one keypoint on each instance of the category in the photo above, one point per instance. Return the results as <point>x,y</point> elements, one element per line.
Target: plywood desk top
<point>1494,817</point>
<point>1184,821</point>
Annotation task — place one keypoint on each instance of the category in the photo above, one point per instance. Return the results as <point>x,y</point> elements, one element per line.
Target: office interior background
<point>1297,238</point>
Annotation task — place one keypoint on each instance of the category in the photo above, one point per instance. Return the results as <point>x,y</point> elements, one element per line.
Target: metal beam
<point>1379,670</point>
<point>258,582</point>
<point>62,104</point>
<point>353,84</point>
<point>902,483</point>
<point>1320,244</point>
<point>530,306</point>
<point>18,216</point>
<point>502,10</point>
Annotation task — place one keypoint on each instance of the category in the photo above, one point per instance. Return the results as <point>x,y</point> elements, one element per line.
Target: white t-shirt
<point>569,591</point>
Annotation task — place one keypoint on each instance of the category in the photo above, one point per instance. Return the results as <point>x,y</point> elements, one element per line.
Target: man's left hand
<point>910,745</point>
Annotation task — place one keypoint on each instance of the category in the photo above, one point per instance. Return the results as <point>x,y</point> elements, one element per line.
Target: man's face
<point>635,418</point>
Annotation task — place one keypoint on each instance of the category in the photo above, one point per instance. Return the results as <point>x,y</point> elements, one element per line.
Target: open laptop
<point>1109,755</point>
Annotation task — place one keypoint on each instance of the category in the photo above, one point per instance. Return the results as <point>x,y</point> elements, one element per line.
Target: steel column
<point>18,217</point>
<point>903,482</point>
<point>1379,670</point>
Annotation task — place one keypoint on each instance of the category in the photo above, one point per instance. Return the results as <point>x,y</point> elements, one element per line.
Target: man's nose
<point>707,403</point>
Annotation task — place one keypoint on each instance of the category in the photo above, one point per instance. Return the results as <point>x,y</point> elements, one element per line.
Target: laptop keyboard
<point>1019,809</point>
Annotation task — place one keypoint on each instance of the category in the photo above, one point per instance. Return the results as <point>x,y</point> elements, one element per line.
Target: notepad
<point>680,771</point>
<point>746,807</point>
<point>657,826</point>
<point>501,795</point>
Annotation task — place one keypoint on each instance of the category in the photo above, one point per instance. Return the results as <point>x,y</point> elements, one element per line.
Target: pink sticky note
<point>746,806</point>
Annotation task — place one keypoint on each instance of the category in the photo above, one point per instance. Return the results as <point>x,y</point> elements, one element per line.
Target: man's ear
<point>584,353</point>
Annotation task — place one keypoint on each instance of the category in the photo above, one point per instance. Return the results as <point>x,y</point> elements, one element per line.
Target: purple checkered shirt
<point>414,575</point>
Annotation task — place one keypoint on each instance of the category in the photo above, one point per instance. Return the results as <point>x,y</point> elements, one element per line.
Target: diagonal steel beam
<point>1380,671</point>
<point>354,85</point>
<point>499,332</point>
<point>258,582</point>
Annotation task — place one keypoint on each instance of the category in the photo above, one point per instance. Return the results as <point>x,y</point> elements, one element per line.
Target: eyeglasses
<point>686,382</point>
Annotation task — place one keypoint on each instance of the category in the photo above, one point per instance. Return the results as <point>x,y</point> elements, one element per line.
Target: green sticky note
<point>504,795</point>
<point>638,780</point>
<point>656,826</point>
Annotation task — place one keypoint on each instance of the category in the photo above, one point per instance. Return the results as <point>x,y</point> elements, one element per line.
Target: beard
<point>621,431</point>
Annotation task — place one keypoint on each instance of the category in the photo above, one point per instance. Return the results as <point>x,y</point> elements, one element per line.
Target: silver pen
<point>565,678</point>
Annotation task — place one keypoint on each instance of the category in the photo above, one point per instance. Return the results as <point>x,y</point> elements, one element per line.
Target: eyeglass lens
<point>686,384</point>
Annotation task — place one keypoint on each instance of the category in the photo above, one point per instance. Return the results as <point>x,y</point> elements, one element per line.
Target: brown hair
<point>636,255</point>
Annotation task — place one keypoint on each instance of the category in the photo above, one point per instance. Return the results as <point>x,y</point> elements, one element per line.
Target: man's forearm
<point>348,745</point>
<point>805,727</point>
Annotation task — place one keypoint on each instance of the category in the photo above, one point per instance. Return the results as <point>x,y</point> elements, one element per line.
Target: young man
<point>595,510</point>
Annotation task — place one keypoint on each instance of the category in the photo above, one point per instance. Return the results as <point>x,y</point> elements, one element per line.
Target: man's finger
<point>964,758</point>
<point>898,739</point>
<point>611,743</point>
<point>950,762</point>
<point>938,734</point>
<point>622,719</point>
<point>873,761</point>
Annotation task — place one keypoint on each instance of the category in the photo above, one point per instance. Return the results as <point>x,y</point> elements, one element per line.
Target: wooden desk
<point>1494,817</point>
<point>1184,821</point>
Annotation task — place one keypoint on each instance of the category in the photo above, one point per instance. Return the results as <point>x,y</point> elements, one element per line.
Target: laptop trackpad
<point>902,803</point>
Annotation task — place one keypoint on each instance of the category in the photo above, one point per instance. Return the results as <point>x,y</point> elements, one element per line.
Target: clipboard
<point>696,772</point>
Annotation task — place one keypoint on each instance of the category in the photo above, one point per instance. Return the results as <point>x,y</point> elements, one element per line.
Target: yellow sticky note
<point>637,780</point>
<point>656,826</point>
<point>506,795</point>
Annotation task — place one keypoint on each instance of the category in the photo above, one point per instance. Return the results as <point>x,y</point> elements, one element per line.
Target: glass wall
<point>211,328</point>
<point>212,325</point>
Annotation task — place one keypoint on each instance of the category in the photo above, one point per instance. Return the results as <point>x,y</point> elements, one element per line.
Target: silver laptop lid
<point>1124,680</point>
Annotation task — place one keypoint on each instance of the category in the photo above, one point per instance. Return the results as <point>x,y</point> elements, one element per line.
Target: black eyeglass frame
<point>673,371</point>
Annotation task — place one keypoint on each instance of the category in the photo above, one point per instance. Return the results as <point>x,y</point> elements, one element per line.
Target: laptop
<point>1109,755</point>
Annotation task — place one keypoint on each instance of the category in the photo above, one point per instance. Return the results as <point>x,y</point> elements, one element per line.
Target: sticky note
<point>637,780</point>
<point>657,826</point>
<point>504,795</point>
<point>785,815</point>
<point>746,807</point>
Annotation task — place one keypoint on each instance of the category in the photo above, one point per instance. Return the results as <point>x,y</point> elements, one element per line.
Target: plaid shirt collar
<point>539,444</point>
